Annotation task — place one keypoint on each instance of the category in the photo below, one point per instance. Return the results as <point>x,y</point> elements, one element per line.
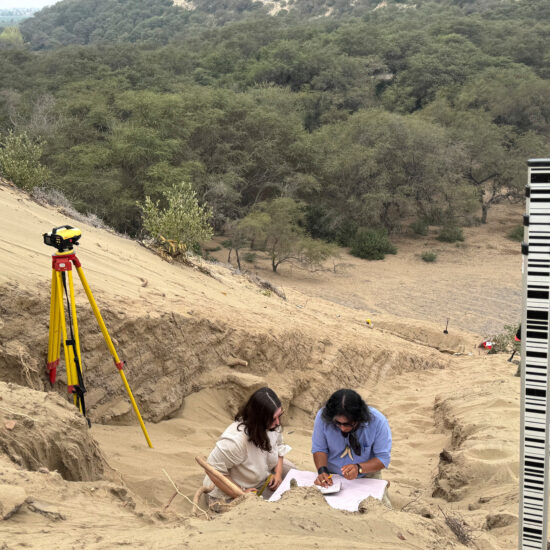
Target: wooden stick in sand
<point>219,480</point>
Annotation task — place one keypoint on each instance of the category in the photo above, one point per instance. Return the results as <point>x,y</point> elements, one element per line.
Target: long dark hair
<point>346,403</point>
<point>256,415</point>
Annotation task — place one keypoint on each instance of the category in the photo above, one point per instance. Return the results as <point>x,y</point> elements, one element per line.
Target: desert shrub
<point>450,234</point>
<point>436,216</point>
<point>48,195</point>
<point>228,243</point>
<point>372,244</point>
<point>516,234</point>
<point>183,220</point>
<point>419,227</point>
<point>346,232</point>
<point>505,341</point>
<point>250,257</point>
<point>20,161</point>
<point>429,256</point>
<point>54,197</point>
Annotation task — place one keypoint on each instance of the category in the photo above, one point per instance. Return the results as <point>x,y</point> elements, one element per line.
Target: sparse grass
<point>516,234</point>
<point>429,256</point>
<point>459,527</point>
<point>450,234</point>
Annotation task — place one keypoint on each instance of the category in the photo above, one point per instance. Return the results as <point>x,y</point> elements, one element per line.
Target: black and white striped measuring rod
<point>534,444</point>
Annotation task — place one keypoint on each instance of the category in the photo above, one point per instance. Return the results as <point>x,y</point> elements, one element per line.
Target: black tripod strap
<point>79,390</point>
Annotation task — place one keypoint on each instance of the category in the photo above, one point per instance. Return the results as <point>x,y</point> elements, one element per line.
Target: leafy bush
<point>250,257</point>
<point>228,243</point>
<point>429,256</point>
<point>505,341</point>
<point>450,234</point>
<point>20,161</point>
<point>420,227</point>
<point>516,234</point>
<point>346,231</point>
<point>372,244</point>
<point>183,220</point>
<point>318,223</point>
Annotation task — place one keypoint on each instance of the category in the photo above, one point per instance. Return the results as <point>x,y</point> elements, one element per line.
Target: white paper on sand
<point>348,498</point>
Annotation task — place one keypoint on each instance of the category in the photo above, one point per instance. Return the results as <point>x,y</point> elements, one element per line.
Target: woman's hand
<point>350,471</point>
<point>324,480</point>
<point>275,481</point>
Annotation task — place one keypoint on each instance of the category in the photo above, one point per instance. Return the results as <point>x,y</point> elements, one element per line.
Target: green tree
<point>278,223</point>
<point>377,168</point>
<point>20,161</point>
<point>11,37</point>
<point>492,156</point>
<point>182,220</point>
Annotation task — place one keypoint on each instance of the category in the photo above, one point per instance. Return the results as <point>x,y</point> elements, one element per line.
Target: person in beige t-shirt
<point>251,449</point>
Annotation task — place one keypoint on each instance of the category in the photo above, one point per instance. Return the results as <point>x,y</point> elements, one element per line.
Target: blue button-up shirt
<point>374,438</point>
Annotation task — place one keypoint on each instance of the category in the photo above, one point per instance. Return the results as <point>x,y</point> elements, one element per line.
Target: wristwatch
<point>359,469</point>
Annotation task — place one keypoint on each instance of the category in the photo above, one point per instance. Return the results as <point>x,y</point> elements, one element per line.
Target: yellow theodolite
<point>64,238</point>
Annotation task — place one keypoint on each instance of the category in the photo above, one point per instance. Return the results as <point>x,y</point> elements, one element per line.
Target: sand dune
<point>197,345</point>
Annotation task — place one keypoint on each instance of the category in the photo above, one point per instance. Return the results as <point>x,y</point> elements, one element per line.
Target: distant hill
<point>92,21</point>
<point>11,17</point>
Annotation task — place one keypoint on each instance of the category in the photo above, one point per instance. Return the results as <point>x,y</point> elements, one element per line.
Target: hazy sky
<point>26,3</point>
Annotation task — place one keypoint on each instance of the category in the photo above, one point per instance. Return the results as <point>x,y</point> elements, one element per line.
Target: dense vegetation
<point>367,119</point>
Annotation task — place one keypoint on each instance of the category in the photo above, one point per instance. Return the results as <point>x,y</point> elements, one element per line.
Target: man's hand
<point>350,471</point>
<point>323,480</point>
<point>275,481</point>
<point>251,490</point>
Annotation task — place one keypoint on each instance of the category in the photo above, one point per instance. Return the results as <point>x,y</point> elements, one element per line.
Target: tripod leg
<point>57,328</point>
<point>119,364</point>
<point>53,334</point>
<point>67,350</point>
<point>75,320</point>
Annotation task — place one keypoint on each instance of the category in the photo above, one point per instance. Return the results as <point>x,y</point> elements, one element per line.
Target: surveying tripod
<point>64,238</point>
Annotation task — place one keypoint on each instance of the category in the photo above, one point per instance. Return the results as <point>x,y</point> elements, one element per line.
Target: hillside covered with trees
<point>368,118</point>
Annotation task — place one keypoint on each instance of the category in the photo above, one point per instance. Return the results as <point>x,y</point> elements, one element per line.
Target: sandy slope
<point>182,331</point>
<point>476,283</point>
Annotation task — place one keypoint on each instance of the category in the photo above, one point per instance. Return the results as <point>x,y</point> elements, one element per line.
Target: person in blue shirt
<point>350,438</point>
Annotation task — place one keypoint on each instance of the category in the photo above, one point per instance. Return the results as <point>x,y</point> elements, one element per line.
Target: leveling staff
<point>350,438</point>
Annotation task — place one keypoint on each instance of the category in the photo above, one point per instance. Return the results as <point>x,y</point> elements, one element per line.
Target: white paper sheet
<point>350,496</point>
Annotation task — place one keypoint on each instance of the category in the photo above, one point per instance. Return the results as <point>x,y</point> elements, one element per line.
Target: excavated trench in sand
<point>171,356</point>
<point>481,454</point>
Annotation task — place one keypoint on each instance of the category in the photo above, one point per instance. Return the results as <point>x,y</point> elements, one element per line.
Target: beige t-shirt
<point>246,464</point>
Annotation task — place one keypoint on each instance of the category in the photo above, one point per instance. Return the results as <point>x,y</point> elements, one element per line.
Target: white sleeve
<point>227,453</point>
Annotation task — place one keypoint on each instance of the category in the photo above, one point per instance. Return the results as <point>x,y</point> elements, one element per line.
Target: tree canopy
<point>368,118</point>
